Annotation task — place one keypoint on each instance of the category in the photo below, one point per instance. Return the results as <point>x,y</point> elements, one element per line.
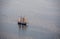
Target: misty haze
<point>43,19</point>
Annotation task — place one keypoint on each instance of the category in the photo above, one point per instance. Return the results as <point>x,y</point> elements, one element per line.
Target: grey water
<point>43,19</point>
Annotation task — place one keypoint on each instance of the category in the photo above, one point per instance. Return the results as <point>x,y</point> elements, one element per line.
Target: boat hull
<point>22,23</point>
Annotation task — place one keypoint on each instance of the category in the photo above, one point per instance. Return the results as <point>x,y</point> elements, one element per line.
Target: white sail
<point>18,19</point>
<point>22,20</point>
<point>25,20</point>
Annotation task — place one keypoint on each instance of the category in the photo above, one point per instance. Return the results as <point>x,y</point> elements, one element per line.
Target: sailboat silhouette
<point>22,21</point>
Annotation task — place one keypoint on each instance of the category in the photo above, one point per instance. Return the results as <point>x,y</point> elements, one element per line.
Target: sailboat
<point>22,21</point>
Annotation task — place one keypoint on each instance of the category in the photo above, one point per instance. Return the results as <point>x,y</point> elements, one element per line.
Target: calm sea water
<point>43,19</point>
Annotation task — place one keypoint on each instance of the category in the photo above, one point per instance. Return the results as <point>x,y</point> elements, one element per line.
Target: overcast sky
<point>32,7</point>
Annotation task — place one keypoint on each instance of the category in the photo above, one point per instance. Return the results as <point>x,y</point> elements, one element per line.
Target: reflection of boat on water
<point>23,27</point>
<point>22,21</point>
